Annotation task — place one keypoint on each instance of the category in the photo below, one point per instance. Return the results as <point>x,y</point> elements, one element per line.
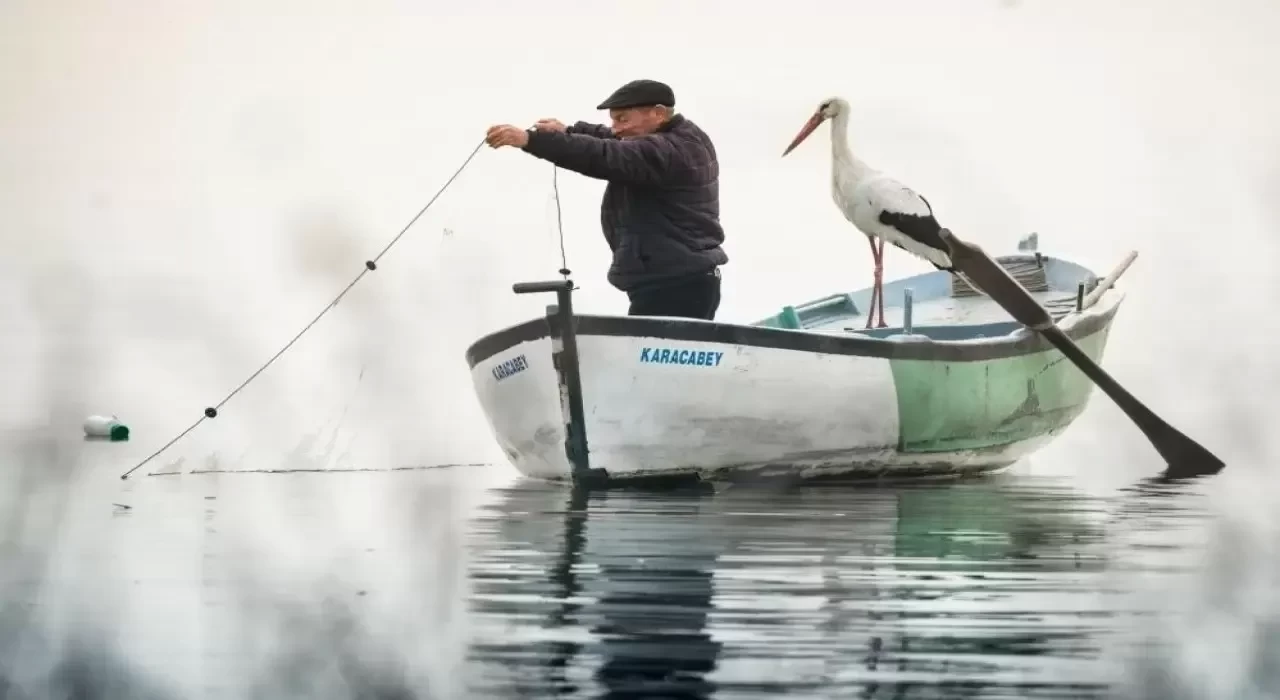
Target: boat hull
<point>675,396</point>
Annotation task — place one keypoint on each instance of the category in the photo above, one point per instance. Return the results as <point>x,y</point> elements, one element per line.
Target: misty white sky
<point>183,185</point>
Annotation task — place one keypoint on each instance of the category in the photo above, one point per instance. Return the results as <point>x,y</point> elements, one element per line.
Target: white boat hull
<point>664,397</point>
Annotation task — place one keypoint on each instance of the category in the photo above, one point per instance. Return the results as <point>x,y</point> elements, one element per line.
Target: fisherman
<point>661,209</point>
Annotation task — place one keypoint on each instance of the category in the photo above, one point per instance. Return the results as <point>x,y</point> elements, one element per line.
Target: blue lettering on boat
<point>515,365</point>
<point>681,356</point>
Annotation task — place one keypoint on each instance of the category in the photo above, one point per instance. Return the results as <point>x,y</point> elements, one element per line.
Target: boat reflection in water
<point>986,588</point>
<point>617,581</point>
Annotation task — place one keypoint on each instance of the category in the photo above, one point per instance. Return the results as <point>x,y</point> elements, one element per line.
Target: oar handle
<point>1107,282</point>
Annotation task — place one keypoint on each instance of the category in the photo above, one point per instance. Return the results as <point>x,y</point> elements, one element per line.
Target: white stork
<point>876,204</point>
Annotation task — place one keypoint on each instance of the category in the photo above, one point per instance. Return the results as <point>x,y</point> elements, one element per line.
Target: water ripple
<point>993,588</point>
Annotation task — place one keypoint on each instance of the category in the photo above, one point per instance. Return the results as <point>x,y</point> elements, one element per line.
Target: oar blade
<point>1185,457</point>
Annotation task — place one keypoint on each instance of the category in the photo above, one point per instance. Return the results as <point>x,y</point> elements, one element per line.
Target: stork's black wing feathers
<point>924,229</point>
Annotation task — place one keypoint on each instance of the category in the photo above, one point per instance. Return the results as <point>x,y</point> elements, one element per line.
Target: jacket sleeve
<point>599,131</point>
<point>649,160</point>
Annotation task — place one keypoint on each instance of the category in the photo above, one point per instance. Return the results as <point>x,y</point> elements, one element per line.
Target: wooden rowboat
<point>952,387</point>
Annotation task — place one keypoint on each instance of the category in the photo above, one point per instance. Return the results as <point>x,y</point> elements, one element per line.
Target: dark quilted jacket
<point>661,208</point>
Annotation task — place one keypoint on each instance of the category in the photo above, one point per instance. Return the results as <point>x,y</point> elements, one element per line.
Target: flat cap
<point>640,93</point>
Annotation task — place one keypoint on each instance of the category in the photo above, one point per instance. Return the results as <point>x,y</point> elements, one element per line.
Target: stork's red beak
<point>808,128</point>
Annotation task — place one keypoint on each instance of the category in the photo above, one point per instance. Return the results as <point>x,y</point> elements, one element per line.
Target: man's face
<point>636,121</point>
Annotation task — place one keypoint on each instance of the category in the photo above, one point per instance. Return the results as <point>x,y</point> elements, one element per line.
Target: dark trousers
<point>696,296</point>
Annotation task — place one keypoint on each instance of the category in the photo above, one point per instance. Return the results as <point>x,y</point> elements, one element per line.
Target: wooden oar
<point>1185,457</point>
<point>1106,282</point>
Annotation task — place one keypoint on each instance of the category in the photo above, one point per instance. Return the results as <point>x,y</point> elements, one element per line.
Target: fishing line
<point>369,266</point>
<point>555,191</point>
<point>423,467</point>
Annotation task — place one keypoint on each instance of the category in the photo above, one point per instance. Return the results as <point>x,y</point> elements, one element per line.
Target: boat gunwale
<point>1022,341</point>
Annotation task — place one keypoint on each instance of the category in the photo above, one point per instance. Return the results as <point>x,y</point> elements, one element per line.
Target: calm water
<point>473,584</point>
<point>993,588</point>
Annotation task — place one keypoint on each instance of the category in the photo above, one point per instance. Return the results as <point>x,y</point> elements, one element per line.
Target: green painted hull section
<point>946,406</point>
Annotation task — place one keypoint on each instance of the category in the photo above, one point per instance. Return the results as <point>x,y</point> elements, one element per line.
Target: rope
<point>369,266</point>
<point>424,467</point>
<point>555,190</point>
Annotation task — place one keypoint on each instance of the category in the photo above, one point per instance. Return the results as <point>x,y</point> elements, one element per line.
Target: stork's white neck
<point>843,162</point>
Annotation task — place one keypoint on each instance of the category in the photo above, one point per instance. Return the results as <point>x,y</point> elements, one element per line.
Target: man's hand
<point>506,135</point>
<point>550,125</point>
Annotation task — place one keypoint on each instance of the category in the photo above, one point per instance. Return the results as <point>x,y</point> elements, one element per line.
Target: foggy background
<point>184,185</point>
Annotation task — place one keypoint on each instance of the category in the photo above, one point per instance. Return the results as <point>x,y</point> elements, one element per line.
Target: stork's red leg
<point>880,281</point>
<point>875,286</point>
